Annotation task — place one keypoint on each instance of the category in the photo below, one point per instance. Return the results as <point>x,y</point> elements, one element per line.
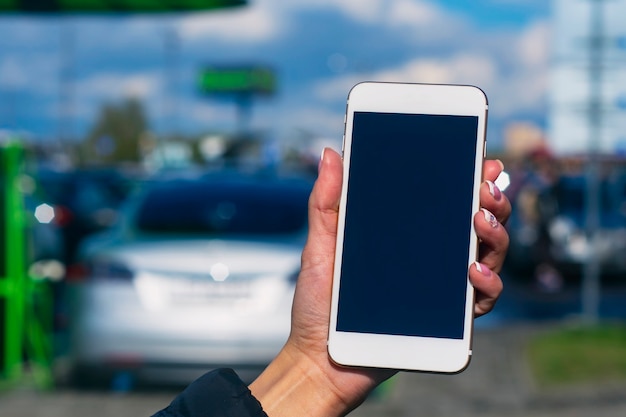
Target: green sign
<point>237,80</point>
<point>87,6</point>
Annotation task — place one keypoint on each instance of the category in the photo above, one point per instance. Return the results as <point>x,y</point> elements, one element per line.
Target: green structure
<point>131,6</point>
<point>25,306</point>
<point>12,264</point>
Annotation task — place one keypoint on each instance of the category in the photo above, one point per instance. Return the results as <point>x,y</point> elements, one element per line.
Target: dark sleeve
<point>219,393</point>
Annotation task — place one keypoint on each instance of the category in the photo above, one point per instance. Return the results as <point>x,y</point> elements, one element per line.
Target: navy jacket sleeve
<point>218,393</point>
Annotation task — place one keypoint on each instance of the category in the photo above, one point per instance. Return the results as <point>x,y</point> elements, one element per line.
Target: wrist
<point>293,384</point>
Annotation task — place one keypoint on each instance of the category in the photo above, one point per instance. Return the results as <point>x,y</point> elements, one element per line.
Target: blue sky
<point>318,48</point>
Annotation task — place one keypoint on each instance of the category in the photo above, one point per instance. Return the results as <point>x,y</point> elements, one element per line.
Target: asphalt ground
<point>498,382</point>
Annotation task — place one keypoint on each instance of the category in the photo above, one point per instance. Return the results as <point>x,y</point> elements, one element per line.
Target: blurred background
<point>157,160</point>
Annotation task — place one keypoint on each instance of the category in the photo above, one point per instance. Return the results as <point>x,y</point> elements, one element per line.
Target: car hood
<point>199,256</point>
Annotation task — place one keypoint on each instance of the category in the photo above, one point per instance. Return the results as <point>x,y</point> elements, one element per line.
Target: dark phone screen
<point>408,220</point>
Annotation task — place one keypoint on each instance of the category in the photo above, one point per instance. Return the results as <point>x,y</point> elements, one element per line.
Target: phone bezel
<point>408,352</point>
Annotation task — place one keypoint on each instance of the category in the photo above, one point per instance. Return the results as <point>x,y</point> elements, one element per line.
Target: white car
<point>199,274</point>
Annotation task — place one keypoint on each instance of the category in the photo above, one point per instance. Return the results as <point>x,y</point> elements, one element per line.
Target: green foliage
<point>116,134</point>
<point>579,355</point>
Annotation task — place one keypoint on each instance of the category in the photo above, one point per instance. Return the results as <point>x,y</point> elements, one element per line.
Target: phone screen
<point>407,225</point>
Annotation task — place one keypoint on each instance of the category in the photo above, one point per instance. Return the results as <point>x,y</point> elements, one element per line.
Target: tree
<point>115,136</point>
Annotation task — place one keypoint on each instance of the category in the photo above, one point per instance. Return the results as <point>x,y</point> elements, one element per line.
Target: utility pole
<point>171,85</point>
<point>591,285</point>
<point>67,43</point>
<point>587,115</point>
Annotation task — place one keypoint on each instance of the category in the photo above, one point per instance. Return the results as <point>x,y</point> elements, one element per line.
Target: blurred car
<point>199,273</point>
<point>550,228</point>
<point>570,245</point>
<point>44,237</point>
<point>85,201</point>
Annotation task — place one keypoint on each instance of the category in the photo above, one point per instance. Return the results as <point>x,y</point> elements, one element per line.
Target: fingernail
<point>501,164</point>
<point>319,164</point>
<point>494,190</point>
<point>482,268</point>
<point>490,218</point>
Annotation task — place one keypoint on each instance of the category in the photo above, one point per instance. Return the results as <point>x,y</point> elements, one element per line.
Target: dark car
<point>85,201</point>
<point>571,246</point>
<point>549,228</point>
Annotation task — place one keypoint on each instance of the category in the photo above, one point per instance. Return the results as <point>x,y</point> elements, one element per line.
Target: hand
<point>302,380</point>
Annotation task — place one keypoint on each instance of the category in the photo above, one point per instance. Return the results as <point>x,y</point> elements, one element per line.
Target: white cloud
<point>520,89</point>
<point>338,87</point>
<point>410,13</point>
<point>463,68</point>
<point>518,93</point>
<point>109,86</point>
<point>35,71</point>
<point>256,22</point>
<point>316,120</point>
<point>512,3</point>
<point>359,10</point>
<point>526,87</point>
<point>363,10</point>
<point>383,12</point>
<point>208,114</point>
<point>534,45</point>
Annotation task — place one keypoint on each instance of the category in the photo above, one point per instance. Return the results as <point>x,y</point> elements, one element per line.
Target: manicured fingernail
<point>482,268</point>
<point>494,190</point>
<point>319,164</point>
<point>490,218</point>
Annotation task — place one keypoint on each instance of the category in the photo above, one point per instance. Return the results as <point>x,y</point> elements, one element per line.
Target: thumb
<point>323,210</point>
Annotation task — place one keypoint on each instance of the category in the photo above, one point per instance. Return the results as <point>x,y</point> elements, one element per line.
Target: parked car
<point>85,201</point>
<point>571,246</point>
<point>199,273</point>
<point>549,227</point>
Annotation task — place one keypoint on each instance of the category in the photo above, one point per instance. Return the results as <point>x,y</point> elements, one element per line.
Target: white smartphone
<point>413,157</point>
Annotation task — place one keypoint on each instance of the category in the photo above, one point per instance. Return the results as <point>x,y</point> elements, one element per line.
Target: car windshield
<point>82,191</point>
<point>224,208</point>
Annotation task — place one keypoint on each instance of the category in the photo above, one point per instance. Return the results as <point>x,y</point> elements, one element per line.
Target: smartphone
<point>413,157</point>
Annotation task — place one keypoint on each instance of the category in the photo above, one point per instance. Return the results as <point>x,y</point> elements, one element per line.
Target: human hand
<point>302,380</point>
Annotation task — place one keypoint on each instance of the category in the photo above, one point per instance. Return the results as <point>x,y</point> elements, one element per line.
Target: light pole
<point>591,285</point>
